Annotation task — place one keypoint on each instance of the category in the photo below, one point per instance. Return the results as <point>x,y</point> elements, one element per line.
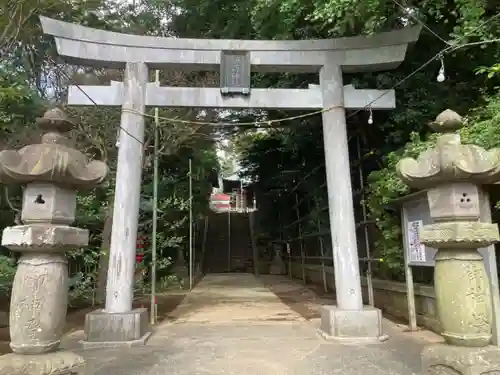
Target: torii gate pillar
<point>118,323</point>
<point>340,200</point>
<point>349,318</point>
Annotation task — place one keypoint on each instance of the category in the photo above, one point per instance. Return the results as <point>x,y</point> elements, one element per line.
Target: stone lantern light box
<point>451,201</point>
<point>48,203</point>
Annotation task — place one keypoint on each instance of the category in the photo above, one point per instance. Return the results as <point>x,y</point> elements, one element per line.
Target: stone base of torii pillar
<point>111,330</point>
<point>351,325</point>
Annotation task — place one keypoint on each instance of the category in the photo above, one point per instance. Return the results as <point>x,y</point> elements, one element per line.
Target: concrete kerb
<point>116,344</point>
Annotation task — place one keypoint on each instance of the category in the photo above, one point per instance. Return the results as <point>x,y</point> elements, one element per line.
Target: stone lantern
<point>454,174</point>
<point>277,265</point>
<point>51,172</point>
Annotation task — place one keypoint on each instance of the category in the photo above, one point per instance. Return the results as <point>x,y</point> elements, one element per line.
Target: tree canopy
<point>464,34</point>
<point>32,79</point>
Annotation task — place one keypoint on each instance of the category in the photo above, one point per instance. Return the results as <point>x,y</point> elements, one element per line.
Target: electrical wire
<point>405,10</point>
<point>448,49</point>
<point>451,47</point>
<point>269,123</point>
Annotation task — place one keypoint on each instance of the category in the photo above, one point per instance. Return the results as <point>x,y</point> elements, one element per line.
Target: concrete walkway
<point>232,298</point>
<point>237,324</point>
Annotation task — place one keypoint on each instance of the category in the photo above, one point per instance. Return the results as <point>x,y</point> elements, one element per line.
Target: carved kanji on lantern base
<point>453,173</point>
<point>52,172</point>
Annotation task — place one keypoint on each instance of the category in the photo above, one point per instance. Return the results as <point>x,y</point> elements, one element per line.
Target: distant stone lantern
<point>454,174</point>
<point>51,172</point>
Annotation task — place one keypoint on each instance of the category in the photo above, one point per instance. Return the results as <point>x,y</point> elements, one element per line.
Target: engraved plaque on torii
<point>235,72</point>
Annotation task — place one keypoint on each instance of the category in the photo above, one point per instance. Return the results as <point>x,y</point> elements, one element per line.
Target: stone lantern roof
<point>52,160</point>
<point>450,161</point>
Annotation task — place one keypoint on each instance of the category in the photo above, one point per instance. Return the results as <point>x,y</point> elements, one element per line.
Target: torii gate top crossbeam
<point>99,48</point>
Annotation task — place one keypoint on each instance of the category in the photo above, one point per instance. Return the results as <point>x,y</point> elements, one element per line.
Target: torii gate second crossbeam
<point>207,97</point>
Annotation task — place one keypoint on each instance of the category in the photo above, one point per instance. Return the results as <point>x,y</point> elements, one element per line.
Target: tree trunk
<point>102,276</point>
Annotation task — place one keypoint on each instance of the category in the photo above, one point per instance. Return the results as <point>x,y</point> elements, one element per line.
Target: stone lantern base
<point>445,359</point>
<point>56,363</point>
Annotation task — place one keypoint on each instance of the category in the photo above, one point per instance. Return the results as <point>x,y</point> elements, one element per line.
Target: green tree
<point>31,80</point>
<point>277,160</point>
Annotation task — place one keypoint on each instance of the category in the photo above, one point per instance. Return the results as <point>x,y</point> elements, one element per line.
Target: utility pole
<point>190,225</point>
<point>155,209</point>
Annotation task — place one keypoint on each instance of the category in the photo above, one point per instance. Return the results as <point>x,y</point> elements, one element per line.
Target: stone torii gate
<point>118,322</point>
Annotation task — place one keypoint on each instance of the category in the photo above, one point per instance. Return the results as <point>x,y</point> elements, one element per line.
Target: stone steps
<point>220,237</point>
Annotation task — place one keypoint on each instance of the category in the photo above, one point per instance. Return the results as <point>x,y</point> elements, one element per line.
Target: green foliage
<point>298,19</point>
<point>30,80</point>
<point>277,160</point>
<point>492,71</point>
<point>350,17</point>
<point>7,271</point>
<point>19,106</point>
<point>385,185</point>
<point>212,18</point>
